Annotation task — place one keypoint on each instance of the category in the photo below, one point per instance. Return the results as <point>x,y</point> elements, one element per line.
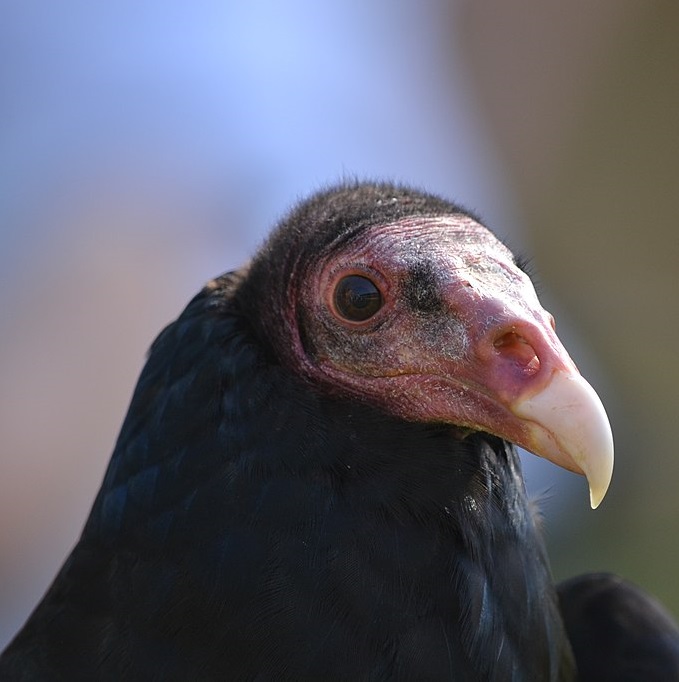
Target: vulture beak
<point>567,424</point>
<point>534,394</point>
<point>552,411</point>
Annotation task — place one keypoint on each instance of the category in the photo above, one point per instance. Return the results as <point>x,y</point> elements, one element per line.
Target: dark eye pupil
<point>357,298</point>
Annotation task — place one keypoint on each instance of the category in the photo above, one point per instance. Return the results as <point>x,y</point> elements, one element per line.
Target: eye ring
<point>357,298</point>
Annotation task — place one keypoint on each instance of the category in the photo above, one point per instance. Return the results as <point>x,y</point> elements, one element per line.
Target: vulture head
<point>407,302</point>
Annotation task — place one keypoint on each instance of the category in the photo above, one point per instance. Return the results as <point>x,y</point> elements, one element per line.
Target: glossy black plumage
<point>255,525</point>
<point>618,633</point>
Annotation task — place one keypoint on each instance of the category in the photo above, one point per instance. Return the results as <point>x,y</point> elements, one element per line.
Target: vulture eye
<point>357,298</point>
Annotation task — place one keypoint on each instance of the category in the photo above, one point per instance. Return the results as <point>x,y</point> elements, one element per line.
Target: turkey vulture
<point>317,479</point>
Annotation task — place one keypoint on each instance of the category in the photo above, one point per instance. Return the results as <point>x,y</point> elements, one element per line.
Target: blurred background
<point>146,147</point>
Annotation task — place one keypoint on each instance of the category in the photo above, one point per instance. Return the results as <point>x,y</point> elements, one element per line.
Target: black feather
<point>618,632</point>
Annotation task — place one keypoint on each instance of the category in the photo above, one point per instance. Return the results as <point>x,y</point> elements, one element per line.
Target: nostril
<point>515,348</point>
